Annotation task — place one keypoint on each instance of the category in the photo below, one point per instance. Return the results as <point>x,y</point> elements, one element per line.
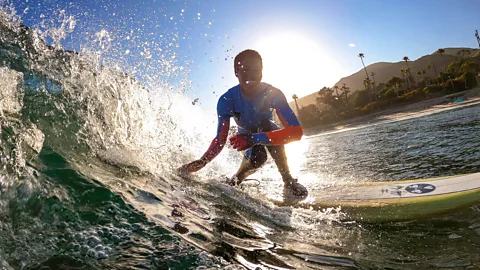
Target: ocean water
<point>87,178</point>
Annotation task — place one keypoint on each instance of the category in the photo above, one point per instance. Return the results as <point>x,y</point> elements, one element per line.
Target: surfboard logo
<point>420,188</point>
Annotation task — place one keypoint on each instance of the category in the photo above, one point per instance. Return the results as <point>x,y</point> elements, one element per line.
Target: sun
<point>296,64</point>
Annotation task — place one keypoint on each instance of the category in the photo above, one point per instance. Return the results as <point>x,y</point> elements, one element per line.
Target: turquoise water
<point>88,182</point>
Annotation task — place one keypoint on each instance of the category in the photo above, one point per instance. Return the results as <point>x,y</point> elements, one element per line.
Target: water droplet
<point>454,236</point>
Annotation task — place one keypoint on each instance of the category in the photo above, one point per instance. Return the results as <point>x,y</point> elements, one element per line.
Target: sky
<point>305,45</point>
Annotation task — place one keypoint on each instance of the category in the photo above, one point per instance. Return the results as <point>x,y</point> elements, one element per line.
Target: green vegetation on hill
<point>384,71</point>
<point>385,86</point>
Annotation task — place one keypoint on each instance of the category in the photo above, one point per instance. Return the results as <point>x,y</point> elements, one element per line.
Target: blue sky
<point>305,43</point>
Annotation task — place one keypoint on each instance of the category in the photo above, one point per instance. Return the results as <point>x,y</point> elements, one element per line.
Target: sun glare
<point>296,65</point>
<point>296,155</point>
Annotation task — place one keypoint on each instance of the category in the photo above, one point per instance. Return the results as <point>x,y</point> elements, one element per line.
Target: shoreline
<point>471,96</point>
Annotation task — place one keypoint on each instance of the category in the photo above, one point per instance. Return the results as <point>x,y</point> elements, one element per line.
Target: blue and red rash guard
<point>252,112</point>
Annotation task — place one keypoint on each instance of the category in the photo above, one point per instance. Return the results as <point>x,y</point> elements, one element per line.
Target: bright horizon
<point>306,45</point>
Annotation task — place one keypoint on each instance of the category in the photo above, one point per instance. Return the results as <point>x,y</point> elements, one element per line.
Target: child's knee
<point>258,160</point>
<point>257,157</point>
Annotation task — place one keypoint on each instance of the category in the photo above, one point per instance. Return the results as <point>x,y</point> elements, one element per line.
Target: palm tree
<point>326,96</point>
<point>361,55</point>
<point>394,82</point>
<point>336,90</point>
<point>295,97</point>
<point>329,91</point>
<point>374,90</point>
<point>322,91</point>
<point>404,72</point>
<point>345,90</point>
<point>405,58</point>
<point>367,86</point>
<point>409,74</point>
<point>366,82</point>
<point>465,62</point>
<point>441,52</point>
<point>478,37</point>
<point>419,74</point>
<point>373,77</point>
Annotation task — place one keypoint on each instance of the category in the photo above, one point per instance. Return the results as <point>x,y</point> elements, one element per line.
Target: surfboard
<point>392,201</point>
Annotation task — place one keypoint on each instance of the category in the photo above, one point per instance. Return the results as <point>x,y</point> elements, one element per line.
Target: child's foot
<point>296,188</point>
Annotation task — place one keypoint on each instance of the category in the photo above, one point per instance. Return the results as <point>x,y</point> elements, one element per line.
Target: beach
<point>471,96</point>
